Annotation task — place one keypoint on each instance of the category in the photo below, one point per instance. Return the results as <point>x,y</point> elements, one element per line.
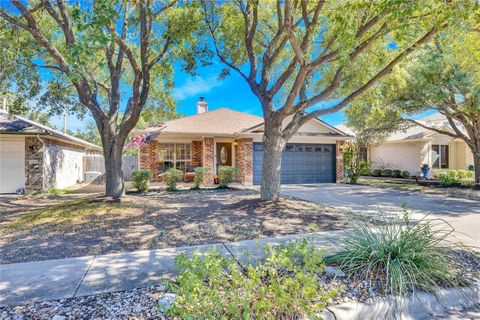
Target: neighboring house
<point>36,157</point>
<point>224,137</point>
<point>411,148</point>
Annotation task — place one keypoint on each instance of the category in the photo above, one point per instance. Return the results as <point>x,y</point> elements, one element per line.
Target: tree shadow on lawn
<point>153,221</point>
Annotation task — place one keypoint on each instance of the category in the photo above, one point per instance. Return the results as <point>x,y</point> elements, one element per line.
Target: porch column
<point>208,154</point>
<point>148,158</point>
<point>244,160</point>
<point>339,161</point>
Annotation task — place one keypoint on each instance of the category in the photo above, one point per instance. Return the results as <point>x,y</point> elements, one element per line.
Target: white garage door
<point>12,164</point>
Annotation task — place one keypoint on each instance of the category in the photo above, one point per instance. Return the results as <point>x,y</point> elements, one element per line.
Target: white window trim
<point>174,160</point>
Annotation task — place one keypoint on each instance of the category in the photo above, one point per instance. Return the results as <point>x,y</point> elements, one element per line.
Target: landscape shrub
<point>353,163</point>
<point>397,173</point>
<point>447,179</point>
<point>199,176</point>
<point>452,174</point>
<point>387,173</point>
<point>284,286</point>
<point>172,177</point>
<point>227,175</point>
<point>405,174</point>
<point>377,173</point>
<point>470,175</point>
<point>400,256</point>
<point>461,174</point>
<point>141,179</point>
<point>467,182</point>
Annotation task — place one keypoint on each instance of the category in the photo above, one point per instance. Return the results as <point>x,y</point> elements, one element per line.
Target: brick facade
<point>339,161</point>
<point>208,155</point>
<point>197,148</point>
<point>148,158</point>
<point>244,160</point>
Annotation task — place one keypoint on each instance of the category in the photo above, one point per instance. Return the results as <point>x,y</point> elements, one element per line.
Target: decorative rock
<point>58,317</point>
<point>166,301</point>
<point>334,272</point>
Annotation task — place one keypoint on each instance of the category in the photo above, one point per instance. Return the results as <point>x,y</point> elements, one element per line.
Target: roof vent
<point>202,105</point>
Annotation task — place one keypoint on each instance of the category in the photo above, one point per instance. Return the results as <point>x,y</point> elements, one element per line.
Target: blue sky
<point>231,92</point>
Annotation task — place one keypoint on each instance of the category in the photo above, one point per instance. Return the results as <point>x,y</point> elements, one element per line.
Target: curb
<point>421,306</point>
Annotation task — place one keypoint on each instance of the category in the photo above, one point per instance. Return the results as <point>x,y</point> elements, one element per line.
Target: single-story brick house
<point>224,137</point>
<point>36,157</point>
<point>408,149</point>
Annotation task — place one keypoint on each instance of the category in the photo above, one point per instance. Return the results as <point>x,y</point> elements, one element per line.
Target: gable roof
<point>222,121</point>
<point>14,124</point>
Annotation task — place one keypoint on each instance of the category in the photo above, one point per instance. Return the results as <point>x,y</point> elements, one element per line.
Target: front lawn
<point>407,185</point>
<point>32,228</point>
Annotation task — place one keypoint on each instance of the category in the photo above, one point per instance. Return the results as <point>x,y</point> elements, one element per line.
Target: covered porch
<point>188,153</point>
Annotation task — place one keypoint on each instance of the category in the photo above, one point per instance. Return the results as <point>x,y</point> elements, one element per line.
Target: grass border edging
<point>423,305</point>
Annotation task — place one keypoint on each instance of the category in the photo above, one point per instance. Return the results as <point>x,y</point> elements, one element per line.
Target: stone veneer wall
<point>207,158</point>
<point>339,161</point>
<point>33,164</point>
<point>244,160</point>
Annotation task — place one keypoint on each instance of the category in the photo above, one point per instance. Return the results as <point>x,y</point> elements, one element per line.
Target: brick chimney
<point>202,105</point>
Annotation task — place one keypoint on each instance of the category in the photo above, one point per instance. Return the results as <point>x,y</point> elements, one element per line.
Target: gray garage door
<point>301,163</point>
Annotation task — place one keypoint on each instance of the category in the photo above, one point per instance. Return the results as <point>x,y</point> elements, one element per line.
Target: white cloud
<point>195,86</point>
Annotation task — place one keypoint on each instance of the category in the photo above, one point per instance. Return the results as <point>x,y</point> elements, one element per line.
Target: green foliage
<point>172,177</point>
<point>285,286</point>
<point>141,179</point>
<point>405,174</point>
<point>199,176</point>
<point>461,174</point>
<point>452,174</point>
<point>353,163</point>
<point>227,175</point>
<point>470,175</point>
<point>467,182</point>
<point>387,173</point>
<point>400,255</point>
<point>377,172</point>
<point>397,173</point>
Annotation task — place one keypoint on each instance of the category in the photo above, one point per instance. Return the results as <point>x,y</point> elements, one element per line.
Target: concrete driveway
<point>463,214</point>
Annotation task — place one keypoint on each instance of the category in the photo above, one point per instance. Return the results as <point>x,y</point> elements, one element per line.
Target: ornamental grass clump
<point>401,256</point>
<point>285,286</point>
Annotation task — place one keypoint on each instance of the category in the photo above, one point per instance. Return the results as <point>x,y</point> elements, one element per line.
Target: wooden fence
<point>96,163</point>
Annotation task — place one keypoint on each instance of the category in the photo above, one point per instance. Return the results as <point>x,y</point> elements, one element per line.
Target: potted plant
<point>425,171</point>
<point>216,179</point>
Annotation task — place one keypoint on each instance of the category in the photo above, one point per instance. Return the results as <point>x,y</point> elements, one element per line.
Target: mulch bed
<point>34,229</point>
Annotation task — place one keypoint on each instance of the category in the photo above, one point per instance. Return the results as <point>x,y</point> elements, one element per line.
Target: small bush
<point>353,163</point>
<point>387,173</point>
<point>471,167</point>
<point>461,174</point>
<point>452,174</point>
<point>470,175</point>
<point>141,179</point>
<point>227,175</point>
<point>406,174</point>
<point>397,173</point>
<point>401,256</point>
<point>172,177</point>
<point>285,286</point>
<point>199,176</point>
<point>377,173</point>
<point>467,182</point>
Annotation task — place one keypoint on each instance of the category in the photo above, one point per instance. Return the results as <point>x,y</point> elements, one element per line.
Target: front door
<point>224,154</point>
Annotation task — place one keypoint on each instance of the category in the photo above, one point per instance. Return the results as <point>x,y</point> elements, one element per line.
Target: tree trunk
<point>114,184</point>
<point>273,145</point>
<point>476,164</point>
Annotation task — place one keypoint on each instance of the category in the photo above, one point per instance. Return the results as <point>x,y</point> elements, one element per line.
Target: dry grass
<point>67,226</point>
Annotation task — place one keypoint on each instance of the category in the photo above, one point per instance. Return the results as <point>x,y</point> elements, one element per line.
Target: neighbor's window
<point>440,154</point>
<point>176,155</point>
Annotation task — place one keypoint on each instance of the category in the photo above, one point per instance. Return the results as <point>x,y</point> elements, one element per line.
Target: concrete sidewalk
<point>66,278</point>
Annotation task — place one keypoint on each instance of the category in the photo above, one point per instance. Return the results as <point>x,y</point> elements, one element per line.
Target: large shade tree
<point>304,59</point>
<point>443,77</point>
<point>110,56</point>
